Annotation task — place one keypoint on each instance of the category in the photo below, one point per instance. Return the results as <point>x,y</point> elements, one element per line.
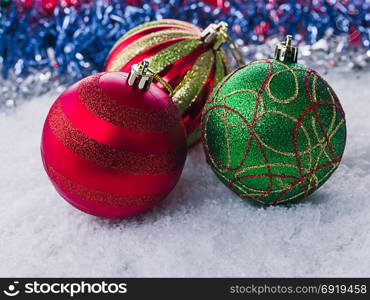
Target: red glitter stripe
<point>94,98</point>
<point>327,164</point>
<point>249,141</point>
<point>312,107</point>
<point>225,80</point>
<point>87,173</point>
<point>324,132</point>
<point>77,190</point>
<point>250,126</point>
<point>295,146</point>
<point>110,157</point>
<point>252,134</point>
<point>261,175</point>
<point>267,77</point>
<point>104,132</point>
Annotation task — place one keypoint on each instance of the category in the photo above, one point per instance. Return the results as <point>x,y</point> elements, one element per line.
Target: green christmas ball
<point>273,131</point>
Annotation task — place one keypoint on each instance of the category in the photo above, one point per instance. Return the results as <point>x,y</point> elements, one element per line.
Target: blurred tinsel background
<point>46,44</point>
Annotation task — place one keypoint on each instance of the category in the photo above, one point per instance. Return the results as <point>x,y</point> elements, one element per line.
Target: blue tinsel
<point>74,42</point>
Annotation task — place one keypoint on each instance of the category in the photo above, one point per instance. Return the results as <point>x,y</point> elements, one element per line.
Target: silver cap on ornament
<point>285,52</point>
<point>140,76</point>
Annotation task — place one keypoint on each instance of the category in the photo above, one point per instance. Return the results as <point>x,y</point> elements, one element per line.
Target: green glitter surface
<point>274,132</point>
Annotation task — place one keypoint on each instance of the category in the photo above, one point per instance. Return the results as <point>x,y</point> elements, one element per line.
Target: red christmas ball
<point>113,150</point>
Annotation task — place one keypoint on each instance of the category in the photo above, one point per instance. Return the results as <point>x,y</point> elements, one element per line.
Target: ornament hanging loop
<point>217,34</point>
<point>141,77</point>
<point>285,52</point>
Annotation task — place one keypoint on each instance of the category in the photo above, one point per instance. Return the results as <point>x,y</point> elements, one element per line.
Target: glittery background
<point>274,132</point>
<point>43,47</point>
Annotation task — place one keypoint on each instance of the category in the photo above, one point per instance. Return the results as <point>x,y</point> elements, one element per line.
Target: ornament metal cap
<point>140,76</point>
<point>286,52</point>
<point>216,33</point>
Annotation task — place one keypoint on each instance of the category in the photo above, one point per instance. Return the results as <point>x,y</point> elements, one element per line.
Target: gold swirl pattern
<point>274,132</point>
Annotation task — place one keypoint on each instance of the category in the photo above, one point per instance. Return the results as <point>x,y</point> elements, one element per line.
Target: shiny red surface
<point>101,189</point>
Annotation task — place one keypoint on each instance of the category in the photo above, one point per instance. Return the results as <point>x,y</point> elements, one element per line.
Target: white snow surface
<point>201,229</point>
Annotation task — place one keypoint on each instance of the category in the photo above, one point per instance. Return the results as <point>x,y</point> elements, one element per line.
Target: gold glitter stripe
<point>219,75</point>
<point>222,100</point>
<point>172,53</point>
<point>90,195</point>
<point>194,80</point>
<point>144,43</point>
<point>149,24</point>
<point>245,194</point>
<point>296,87</point>
<point>107,156</point>
<point>96,101</point>
<point>225,61</point>
<point>220,68</point>
<point>194,136</point>
<point>242,186</point>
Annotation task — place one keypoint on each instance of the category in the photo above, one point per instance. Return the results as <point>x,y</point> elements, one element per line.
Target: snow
<point>201,229</point>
